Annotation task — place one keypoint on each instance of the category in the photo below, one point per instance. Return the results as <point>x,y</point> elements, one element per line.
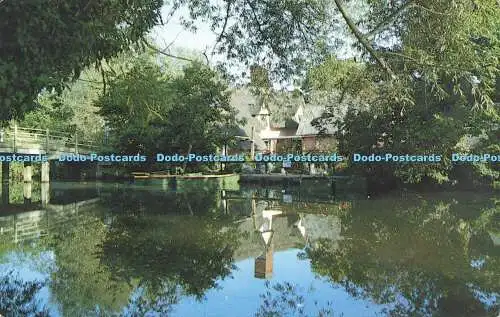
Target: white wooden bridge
<point>27,141</point>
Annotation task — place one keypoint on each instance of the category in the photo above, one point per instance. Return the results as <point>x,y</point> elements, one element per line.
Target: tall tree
<point>201,118</point>
<point>136,99</point>
<point>151,109</point>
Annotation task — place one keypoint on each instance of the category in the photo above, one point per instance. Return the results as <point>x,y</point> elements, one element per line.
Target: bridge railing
<point>16,138</point>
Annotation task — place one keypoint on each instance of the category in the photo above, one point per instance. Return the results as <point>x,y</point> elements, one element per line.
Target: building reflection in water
<point>264,262</point>
<point>319,227</point>
<point>270,223</point>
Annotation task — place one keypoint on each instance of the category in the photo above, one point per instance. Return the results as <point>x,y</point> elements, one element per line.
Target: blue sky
<point>173,32</point>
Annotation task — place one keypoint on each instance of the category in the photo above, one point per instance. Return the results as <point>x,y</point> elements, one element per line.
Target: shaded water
<point>148,249</point>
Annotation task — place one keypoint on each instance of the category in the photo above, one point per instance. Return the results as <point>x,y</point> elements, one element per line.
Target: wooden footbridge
<point>27,141</point>
<point>20,141</point>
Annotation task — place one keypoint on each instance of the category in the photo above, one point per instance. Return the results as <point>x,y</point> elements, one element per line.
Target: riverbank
<point>286,178</point>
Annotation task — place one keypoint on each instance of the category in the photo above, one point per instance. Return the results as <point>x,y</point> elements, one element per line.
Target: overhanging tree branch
<point>155,112</point>
<point>167,54</point>
<point>390,19</point>
<point>259,25</point>
<point>363,40</point>
<point>90,81</point>
<point>428,64</point>
<point>224,26</point>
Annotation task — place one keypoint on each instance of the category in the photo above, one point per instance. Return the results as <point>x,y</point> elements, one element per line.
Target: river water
<point>205,249</point>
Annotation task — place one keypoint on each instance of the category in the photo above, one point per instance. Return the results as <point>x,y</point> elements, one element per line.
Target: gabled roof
<point>288,112</point>
<point>309,113</point>
<point>283,106</point>
<point>246,104</point>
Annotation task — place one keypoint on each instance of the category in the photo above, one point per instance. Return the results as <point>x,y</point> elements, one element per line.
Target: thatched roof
<point>288,112</point>
<point>283,106</point>
<point>246,104</point>
<point>311,112</point>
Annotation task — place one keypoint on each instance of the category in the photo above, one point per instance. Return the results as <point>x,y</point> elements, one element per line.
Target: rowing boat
<point>145,175</point>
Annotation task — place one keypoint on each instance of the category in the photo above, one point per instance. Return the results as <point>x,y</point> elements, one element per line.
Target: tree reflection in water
<point>193,252</point>
<point>142,254</point>
<point>419,257</point>
<point>288,300</point>
<point>144,257</point>
<point>18,297</point>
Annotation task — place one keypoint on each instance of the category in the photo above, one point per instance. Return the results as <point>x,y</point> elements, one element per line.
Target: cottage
<point>280,124</point>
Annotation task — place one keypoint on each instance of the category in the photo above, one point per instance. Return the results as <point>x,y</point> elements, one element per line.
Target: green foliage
<point>73,110</point>
<point>130,96</point>
<point>348,76</point>
<point>134,100</point>
<point>166,253</point>
<point>46,44</point>
<point>260,83</point>
<point>79,268</point>
<point>281,36</point>
<point>51,113</point>
<point>155,250</point>
<point>148,109</point>
<point>444,70</point>
<point>201,118</point>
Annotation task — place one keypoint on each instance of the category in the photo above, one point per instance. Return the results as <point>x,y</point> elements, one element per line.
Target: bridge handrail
<point>23,133</point>
<point>51,133</point>
<point>67,139</point>
<point>45,135</point>
<point>43,131</point>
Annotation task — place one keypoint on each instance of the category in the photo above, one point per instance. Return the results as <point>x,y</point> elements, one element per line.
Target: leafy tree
<point>51,113</point>
<point>132,103</point>
<point>427,93</point>
<point>150,110</point>
<point>428,69</point>
<point>201,118</point>
<point>426,66</point>
<point>45,44</point>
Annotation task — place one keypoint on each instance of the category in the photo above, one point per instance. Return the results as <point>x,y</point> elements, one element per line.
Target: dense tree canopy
<point>430,88</point>
<point>45,44</point>
<point>424,78</point>
<point>426,69</point>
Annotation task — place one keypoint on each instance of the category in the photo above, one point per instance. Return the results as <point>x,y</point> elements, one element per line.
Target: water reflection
<point>264,262</point>
<point>129,250</point>
<point>416,256</point>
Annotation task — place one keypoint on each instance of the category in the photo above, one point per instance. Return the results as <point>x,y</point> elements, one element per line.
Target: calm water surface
<point>206,249</point>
